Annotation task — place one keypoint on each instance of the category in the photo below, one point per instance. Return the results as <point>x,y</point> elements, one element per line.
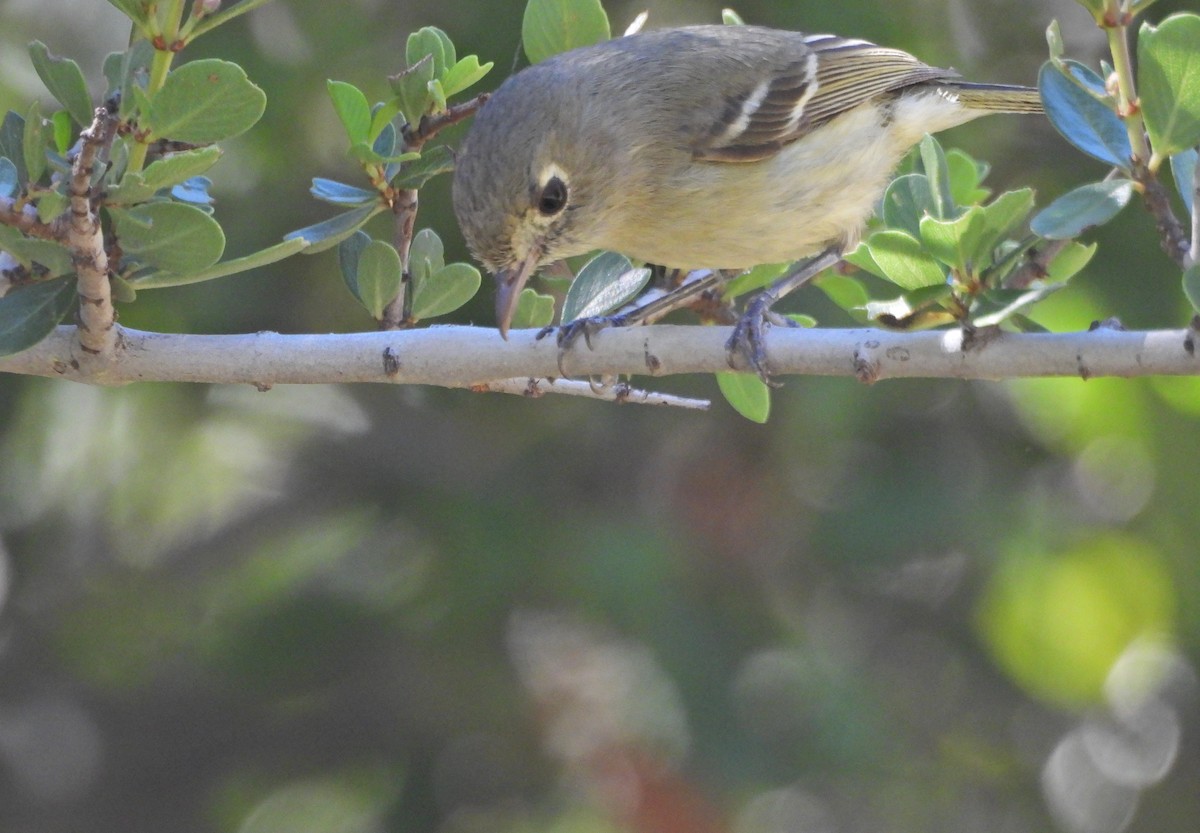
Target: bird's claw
<point>749,342</point>
<point>569,333</point>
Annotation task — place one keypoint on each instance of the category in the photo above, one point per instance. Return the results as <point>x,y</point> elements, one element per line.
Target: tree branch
<point>454,356</point>
<point>85,238</point>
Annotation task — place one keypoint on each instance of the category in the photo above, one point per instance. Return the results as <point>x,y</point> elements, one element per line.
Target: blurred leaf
<point>1083,208</point>
<point>136,10</point>
<point>64,79</point>
<point>903,261</point>
<point>426,254</point>
<point>51,205</point>
<point>533,310</point>
<point>1169,82</point>
<point>162,173</point>
<point>381,118</point>
<point>328,233</point>
<point>1002,216</point>
<point>233,266</point>
<point>1003,304</point>
<point>60,127</point>
<point>955,243</point>
<point>385,141</point>
<point>432,42</point>
<point>438,159</point>
<point>339,193</point>
<point>30,313</point>
<point>553,26</point>
<point>205,101</point>
<point>445,290</point>
<point>937,172</point>
<point>731,18</point>
<point>378,277</point>
<point>34,143</point>
<point>55,257</point>
<point>12,142</point>
<point>9,181</point>
<point>411,87</point>
<point>1056,622</point>
<point>846,292</point>
<point>194,190</point>
<point>464,74</point>
<point>1070,261</point>
<point>1191,285</point>
<point>1183,169</point>
<point>123,70</point>
<point>170,236</point>
<point>748,394</point>
<point>918,309</point>
<point>352,109</point>
<point>907,199</point>
<point>1083,121</point>
<point>966,174</point>
<point>758,277</point>
<point>603,284</point>
<point>349,251</point>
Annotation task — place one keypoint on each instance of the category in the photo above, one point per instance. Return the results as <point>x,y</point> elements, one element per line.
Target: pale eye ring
<point>553,197</point>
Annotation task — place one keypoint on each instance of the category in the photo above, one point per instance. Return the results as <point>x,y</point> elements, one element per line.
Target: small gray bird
<point>717,147</point>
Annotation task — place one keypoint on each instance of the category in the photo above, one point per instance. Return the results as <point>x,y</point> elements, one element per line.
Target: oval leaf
<point>328,233</point>
<point>906,201</point>
<point>352,109</point>
<point>64,79</point>
<point>1169,82</point>
<point>748,395</point>
<point>378,276</point>
<point>903,261</point>
<point>445,290</point>
<point>1082,120</point>
<point>1081,209</point>
<point>339,193</point>
<point>205,101</point>
<point>553,26</point>
<point>426,254</point>
<point>1183,169</point>
<point>170,236</point>
<point>533,310</point>
<point>604,283</point>
<point>30,313</point>
<point>349,251</point>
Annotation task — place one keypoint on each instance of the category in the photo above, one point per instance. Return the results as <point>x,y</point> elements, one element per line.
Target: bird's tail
<point>995,98</point>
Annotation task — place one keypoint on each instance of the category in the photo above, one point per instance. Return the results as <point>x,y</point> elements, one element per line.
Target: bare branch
<point>97,318</point>
<point>455,356</point>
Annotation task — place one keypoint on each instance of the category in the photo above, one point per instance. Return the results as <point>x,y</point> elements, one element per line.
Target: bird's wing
<point>833,75</point>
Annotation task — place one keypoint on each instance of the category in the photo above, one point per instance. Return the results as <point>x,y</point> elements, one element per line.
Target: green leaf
<point>603,284</point>
<point>339,193</point>
<point>124,71</point>
<point>933,161</point>
<point>378,278</point>
<point>205,101</point>
<point>1191,285</point>
<point>1183,169</point>
<point>411,87</point>
<point>966,174</point>
<point>1069,262</point>
<point>254,260</point>
<point>748,395</point>
<point>53,256</point>
<point>136,10</point>
<point>60,128</point>
<point>955,242</point>
<point>1086,123</point>
<point>433,42</point>
<point>51,205</point>
<point>533,310</point>
<point>438,159</point>
<point>1169,82</point>
<point>12,142</point>
<point>906,201</point>
<point>10,182</point>
<point>328,233</point>
<point>64,79</point>
<point>1083,208</point>
<point>352,109</point>
<point>465,74</point>
<point>381,119</point>
<point>756,278</point>
<point>731,18</point>
<point>349,252</point>
<point>553,26</point>
<point>903,261</point>
<point>34,143</point>
<point>846,292</point>
<point>425,254</point>
<point>445,290</point>
<point>1001,217</point>
<point>30,313</point>
<point>170,170</point>
<point>169,236</point>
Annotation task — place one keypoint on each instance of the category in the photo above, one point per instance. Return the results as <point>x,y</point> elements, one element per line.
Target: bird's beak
<point>509,283</point>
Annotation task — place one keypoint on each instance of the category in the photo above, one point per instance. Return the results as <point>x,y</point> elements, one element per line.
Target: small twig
<point>1170,231</point>
<point>25,218</point>
<point>431,125</point>
<point>620,393</point>
<point>85,238</point>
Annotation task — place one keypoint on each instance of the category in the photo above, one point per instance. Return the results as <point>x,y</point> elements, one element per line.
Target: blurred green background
<point>919,606</point>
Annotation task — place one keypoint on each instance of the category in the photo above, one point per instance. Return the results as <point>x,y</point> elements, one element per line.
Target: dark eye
<point>553,197</point>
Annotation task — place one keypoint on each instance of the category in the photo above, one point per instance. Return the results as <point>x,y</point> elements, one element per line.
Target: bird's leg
<point>747,339</point>
<point>644,313</point>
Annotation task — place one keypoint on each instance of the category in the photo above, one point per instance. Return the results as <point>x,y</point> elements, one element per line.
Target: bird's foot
<point>570,333</point>
<point>749,337</point>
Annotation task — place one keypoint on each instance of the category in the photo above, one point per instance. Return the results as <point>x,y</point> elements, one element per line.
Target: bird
<point>700,147</point>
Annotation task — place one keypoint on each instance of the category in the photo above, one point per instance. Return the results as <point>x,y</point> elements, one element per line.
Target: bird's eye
<point>553,197</point>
